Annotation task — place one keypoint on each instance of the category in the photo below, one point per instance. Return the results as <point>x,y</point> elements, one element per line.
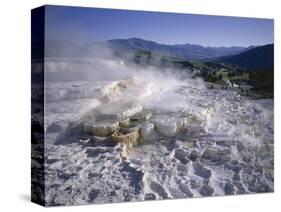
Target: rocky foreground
<point>129,141</point>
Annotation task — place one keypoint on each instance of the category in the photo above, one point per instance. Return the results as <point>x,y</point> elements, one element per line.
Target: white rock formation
<point>147,131</point>
<point>168,125</point>
<point>101,128</point>
<point>196,142</point>
<point>129,136</point>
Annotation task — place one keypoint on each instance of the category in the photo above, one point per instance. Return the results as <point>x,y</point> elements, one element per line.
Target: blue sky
<point>84,25</point>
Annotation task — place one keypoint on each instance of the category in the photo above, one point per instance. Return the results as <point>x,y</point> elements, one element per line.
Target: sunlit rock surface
<point>113,141</point>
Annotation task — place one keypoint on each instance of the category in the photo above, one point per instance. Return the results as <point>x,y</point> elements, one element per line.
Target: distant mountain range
<point>252,57</point>
<point>187,51</point>
<point>131,45</point>
<point>257,58</point>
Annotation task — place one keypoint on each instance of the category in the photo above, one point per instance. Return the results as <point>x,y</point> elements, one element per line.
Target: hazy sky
<point>84,25</point>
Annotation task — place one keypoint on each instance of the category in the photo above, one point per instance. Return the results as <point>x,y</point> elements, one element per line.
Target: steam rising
<point>101,65</point>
